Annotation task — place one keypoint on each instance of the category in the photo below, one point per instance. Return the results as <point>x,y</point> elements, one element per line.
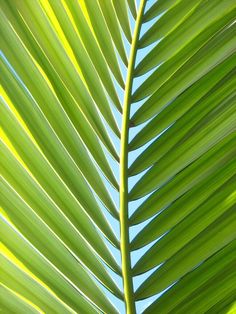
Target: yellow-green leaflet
<point>118,156</point>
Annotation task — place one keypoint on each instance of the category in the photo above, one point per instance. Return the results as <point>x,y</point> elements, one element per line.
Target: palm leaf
<point>62,65</point>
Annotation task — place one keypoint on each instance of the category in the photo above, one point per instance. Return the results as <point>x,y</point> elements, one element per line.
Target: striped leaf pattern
<point>69,118</point>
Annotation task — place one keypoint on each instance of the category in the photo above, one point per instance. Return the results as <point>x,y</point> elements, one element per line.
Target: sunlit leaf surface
<point>118,156</point>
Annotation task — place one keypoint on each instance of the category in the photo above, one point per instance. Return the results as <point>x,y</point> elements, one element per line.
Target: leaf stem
<point>124,215</point>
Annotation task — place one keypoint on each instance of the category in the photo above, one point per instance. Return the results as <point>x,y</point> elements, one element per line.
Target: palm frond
<point>63,64</point>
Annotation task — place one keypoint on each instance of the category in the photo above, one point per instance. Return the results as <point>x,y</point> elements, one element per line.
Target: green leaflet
<point>122,14</point>
<point>57,218</point>
<point>44,240</point>
<point>50,144</point>
<point>82,56</point>
<point>192,148</point>
<point>132,6</point>
<point>38,233</point>
<point>70,106</point>
<point>157,8</point>
<point>93,49</point>
<point>40,266</point>
<point>50,44</point>
<point>22,283</point>
<point>211,293</point>
<point>201,18</point>
<point>184,102</point>
<point>165,71</point>
<point>48,178</point>
<point>186,198</point>
<point>113,25</point>
<point>12,303</point>
<point>171,19</point>
<point>211,240</point>
<point>88,69</point>
<point>217,50</point>
<point>195,279</point>
<point>193,224</point>
<point>29,225</point>
<point>182,207</point>
<point>225,304</point>
<point>63,63</point>
<point>103,36</point>
<point>181,129</point>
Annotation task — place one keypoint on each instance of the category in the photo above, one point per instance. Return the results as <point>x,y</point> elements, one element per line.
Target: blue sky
<point>141,305</point>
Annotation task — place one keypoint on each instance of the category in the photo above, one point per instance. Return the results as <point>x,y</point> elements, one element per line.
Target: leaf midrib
<point>124,224</point>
